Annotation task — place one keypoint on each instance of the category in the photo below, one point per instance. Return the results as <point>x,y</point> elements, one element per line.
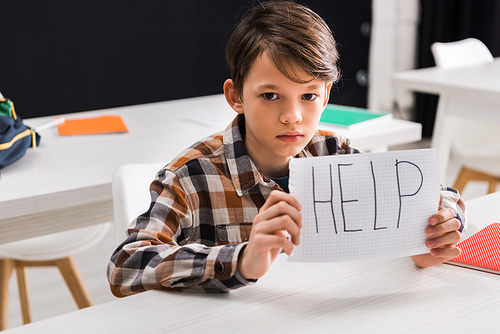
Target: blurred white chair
<point>49,250</point>
<point>131,195</point>
<point>467,52</point>
<point>475,145</point>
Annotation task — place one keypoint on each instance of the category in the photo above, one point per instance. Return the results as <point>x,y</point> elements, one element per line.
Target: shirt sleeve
<point>157,253</point>
<point>450,198</point>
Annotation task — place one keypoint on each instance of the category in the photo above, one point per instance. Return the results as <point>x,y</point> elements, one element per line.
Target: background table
<point>472,91</point>
<point>382,296</point>
<point>66,182</point>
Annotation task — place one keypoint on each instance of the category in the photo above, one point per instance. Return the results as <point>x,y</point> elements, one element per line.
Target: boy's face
<point>281,115</point>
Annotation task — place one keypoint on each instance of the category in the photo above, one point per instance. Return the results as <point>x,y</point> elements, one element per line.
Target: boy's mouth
<point>290,136</point>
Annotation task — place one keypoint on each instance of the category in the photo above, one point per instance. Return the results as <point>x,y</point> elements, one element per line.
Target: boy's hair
<point>290,34</point>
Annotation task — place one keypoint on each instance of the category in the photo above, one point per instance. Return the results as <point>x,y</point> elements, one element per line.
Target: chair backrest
<point>467,52</point>
<point>131,195</point>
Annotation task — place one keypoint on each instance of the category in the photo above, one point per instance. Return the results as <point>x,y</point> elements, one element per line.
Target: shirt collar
<point>244,173</point>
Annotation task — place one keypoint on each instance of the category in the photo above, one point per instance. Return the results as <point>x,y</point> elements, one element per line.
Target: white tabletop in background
<point>480,83</point>
<point>382,296</point>
<point>484,77</point>
<point>64,173</point>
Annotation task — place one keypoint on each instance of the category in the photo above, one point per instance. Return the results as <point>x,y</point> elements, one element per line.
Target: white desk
<point>383,296</point>
<point>379,136</point>
<point>472,92</point>
<point>66,182</point>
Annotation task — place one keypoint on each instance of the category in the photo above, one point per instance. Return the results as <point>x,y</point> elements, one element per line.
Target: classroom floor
<point>50,297</point>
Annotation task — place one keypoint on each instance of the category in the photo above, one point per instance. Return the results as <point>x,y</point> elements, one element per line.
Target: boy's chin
<point>293,153</point>
<point>291,149</point>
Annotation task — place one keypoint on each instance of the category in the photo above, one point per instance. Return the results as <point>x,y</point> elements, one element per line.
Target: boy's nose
<point>291,114</point>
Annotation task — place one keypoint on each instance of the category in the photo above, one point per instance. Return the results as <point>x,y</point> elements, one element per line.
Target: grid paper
<point>365,205</point>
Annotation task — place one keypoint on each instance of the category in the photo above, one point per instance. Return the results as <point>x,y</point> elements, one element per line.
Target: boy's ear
<point>232,96</point>
<point>328,89</point>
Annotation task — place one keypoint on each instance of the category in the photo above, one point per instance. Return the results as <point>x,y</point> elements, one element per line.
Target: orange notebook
<point>92,125</point>
<point>481,251</point>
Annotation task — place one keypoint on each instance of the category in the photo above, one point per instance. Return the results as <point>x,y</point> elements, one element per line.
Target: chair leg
<point>23,292</point>
<point>6,268</point>
<point>493,187</point>
<point>467,174</point>
<point>74,282</point>
<point>462,179</point>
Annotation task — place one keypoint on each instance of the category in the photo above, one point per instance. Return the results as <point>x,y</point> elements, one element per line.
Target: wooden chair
<point>50,250</point>
<point>476,145</point>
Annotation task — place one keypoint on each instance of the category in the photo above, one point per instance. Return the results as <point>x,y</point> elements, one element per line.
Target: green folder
<point>348,117</point>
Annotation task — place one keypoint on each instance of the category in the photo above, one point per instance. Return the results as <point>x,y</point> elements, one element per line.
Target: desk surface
<point>383,296</point>
<point>469,79</point>
<point>473,90</point>
<point>66,182</point>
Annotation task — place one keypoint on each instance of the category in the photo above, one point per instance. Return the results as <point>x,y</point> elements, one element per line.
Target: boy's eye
<point>270,96</point>
<point>309,97</point>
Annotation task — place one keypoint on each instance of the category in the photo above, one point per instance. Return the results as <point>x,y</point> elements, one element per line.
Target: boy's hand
<point>443,235</point>
<point>276,227</point>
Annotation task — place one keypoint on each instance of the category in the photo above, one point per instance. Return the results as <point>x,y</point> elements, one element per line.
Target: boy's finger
<point>443,228</point>
<point>268,242</point>
<point>446,253</point>
<point>441,216</point>
<point>278,196</point>
<point>450,238</point>
<point>281,209</point>
<point>282,223</point>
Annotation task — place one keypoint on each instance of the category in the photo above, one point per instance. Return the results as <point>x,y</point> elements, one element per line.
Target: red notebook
<point>481,251</point>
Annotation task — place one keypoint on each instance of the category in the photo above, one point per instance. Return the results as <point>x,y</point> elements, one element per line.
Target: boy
<point>221,212</point>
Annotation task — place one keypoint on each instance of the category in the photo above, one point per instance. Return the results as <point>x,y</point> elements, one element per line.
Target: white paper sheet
<point>361,206</point>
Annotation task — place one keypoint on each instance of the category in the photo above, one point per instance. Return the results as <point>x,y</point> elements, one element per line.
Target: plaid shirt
<point>202,209</point>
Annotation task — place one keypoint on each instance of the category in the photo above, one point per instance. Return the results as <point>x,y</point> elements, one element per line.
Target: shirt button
<point>219,268</point>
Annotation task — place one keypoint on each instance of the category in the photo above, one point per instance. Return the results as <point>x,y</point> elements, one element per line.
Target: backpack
<point>15,137</point>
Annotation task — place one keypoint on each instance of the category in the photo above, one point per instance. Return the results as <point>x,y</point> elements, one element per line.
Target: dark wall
<point>66,56</point>
<point>447,21</point>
